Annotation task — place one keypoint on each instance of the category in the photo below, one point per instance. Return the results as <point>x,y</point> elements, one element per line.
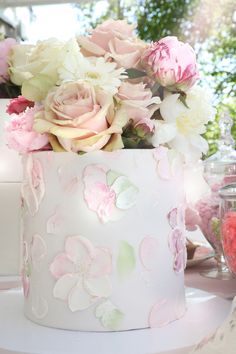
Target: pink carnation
<point>172,63</point>
<point>20,135</point>
<point>18,105</point>
<point>5,48</point>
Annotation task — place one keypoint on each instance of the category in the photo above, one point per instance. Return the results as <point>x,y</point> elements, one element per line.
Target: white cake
<point>103,239</point>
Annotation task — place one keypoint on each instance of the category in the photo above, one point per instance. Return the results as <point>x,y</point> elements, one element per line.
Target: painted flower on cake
<point>33,186</point>
<point>177,242</point>
<point>168,162</point>
<point>82,273</point>
<point>107,192</point>
<point>109,315</point>
<point>26,271</point>
<point>32,257</point>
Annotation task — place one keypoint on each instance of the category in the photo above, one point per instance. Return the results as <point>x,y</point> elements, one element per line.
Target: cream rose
<point>114,40</point>
<point>36,67</point>
<point>81,117</point>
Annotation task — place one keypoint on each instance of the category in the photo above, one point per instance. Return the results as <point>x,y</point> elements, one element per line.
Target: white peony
<point>182,126</point>
<point>96,71</point>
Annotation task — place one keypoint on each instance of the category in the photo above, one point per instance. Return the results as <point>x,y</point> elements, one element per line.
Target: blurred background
<point>208,25</point>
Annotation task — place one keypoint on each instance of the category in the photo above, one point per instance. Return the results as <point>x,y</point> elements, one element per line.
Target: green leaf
<point>111,177</point>
<point>134,73</point>
<point>126,259</point>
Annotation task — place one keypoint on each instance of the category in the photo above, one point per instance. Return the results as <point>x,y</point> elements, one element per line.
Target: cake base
<point>205,312</point>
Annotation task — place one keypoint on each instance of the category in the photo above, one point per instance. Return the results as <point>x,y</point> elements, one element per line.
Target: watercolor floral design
<point>107,192</point>
<point>177,242</point>
<point>33,255</point>
<point>33,187</point>
<point>82,273</point>
<point>160,314</point>
<point>167,162</point>
<point>148,252</point>
<point>109,315</point>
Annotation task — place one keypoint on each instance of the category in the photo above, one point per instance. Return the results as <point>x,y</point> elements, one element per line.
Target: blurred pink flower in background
<point>172,63</point>
<point>5,48</point>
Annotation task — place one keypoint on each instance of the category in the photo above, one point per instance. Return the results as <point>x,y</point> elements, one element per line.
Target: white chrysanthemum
<point>96,71</point>
<point>182,127</point>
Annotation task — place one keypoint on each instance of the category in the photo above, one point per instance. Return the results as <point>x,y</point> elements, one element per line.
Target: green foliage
<point>157,19</point>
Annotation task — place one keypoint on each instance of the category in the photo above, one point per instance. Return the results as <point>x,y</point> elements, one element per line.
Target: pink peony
<point>116,41</point>
<point>20,134</point>
<point>172,63</point>
<point>139,104</point>
<point>18,105</point>
<point>5,48</point>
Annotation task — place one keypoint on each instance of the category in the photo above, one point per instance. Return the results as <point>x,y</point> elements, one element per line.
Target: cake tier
<point>103,239</point>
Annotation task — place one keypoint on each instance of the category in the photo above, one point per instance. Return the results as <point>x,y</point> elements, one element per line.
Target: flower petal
<point>79,298</point>
<point>99,287</point>
<point>61,265</point>
<point>79,249</point>
<point>101,264</point>
<point>64,285</point>
<point>38,251</point>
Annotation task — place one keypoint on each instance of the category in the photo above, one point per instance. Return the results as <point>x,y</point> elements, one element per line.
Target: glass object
<point>228,224</point>
<point>219,170</point>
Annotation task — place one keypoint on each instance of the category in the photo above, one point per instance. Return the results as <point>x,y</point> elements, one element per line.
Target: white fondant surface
<point>10,177</point>
<point>205,313</point>
<point>140,295</point>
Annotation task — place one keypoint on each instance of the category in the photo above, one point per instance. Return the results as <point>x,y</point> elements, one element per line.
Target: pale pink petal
<point>79,298</point>
<point>54,223</point>
<point>101,263</point>
<point>64,285</point>
<point>160,314</point>
<point>148,252</point>
<point>99,287</point>
<point>25,283</point>
<point>38,250</point>
<point>163,165</point>
<point>33,189</point>
<point>61,265</point>
<point>172,218</point>
<point>79,249</point>
<point>39,306</point>
<point>97,194</point>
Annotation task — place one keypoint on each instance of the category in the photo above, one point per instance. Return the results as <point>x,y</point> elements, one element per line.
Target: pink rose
<point>5,48</point>
<point>172,63</point>
<point>116,41</point>
<point>18,105</point>
<point>81,117</point>
<point>20,134</point>
<point>139,104</point>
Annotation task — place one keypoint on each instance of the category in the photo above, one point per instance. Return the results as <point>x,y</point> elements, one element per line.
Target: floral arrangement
<point>7,88</point>
<point>108,90</point>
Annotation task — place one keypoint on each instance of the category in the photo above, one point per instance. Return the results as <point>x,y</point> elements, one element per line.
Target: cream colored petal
<point>79,299</point>
<point>99,287</point>
<point>64,285</point>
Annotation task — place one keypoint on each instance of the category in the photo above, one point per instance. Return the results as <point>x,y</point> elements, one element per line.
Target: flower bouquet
<point>108,123</point>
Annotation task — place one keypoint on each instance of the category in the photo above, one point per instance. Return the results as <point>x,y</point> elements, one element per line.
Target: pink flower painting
<point>82,273</point>
<point>33,186</point>
<point>177,244</point>
<point>107,192</point>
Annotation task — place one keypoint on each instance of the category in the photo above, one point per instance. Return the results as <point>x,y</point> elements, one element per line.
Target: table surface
<point>225,289</point>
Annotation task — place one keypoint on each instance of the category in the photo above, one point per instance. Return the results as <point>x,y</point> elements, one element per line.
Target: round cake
<point>103,241</point>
